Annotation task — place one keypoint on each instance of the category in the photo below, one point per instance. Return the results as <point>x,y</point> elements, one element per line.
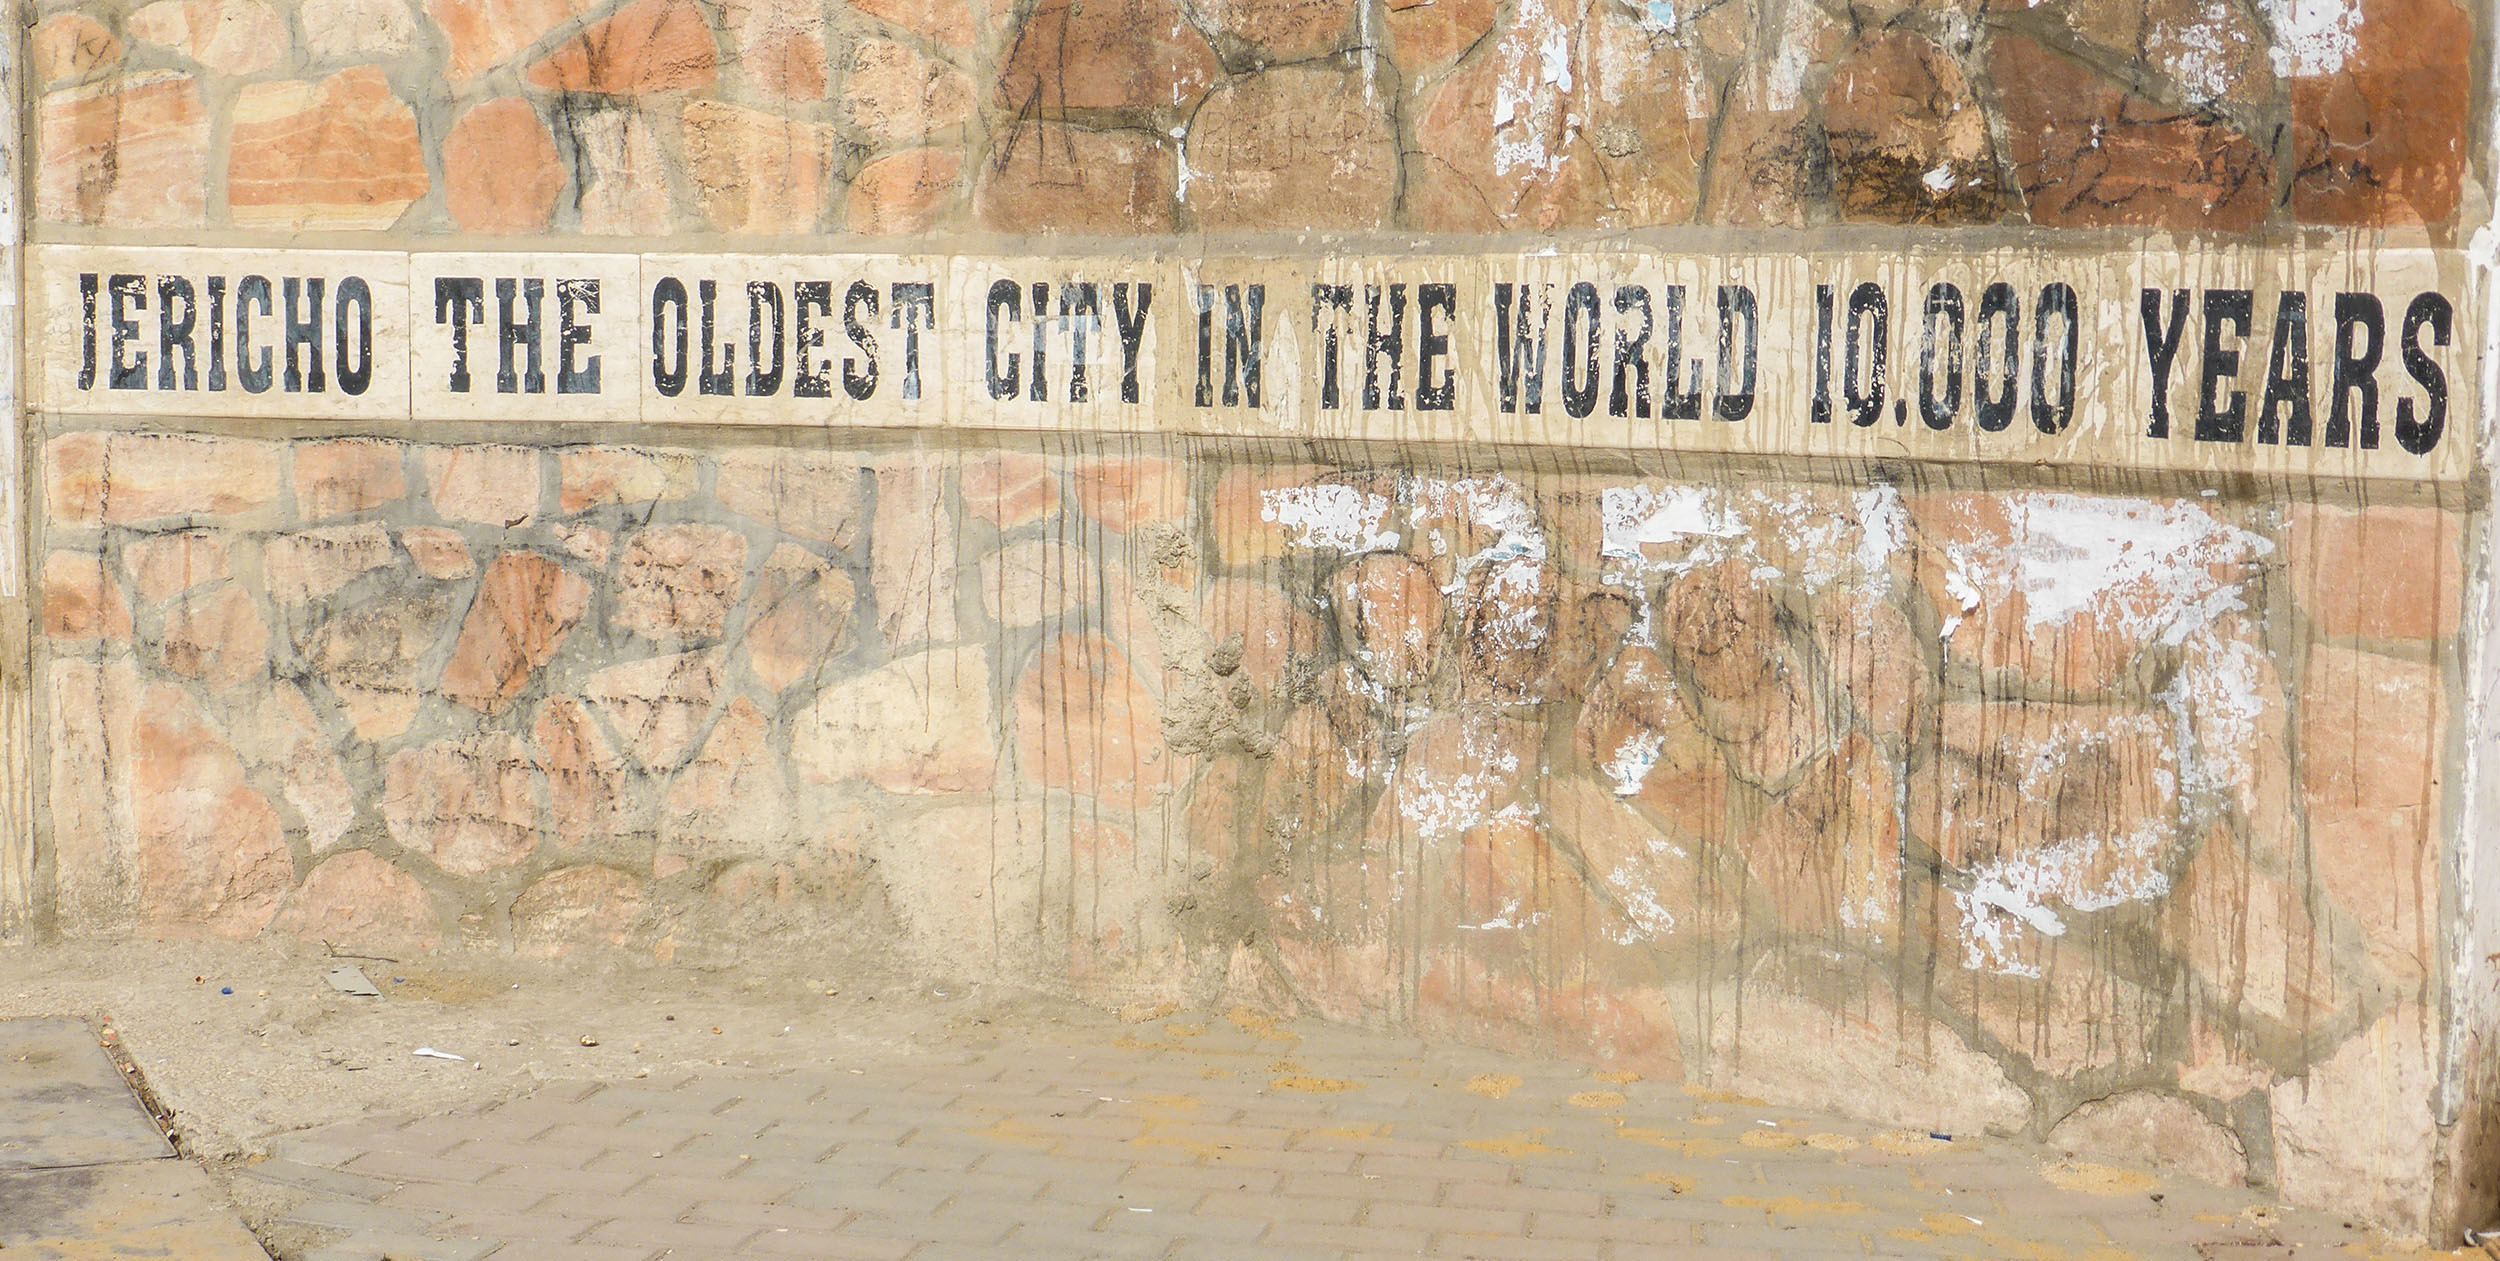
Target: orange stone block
<point>359,901</point>
<point>1104,54</point>
<point>756,172</point>
<point>340,153</point>
<point>228,36</point>
<point>1051,177</point>
<point>906,193</point>
<point>2379,134</point>
<point>340,476</point>
<point>131,152</point>
<point>1293,147</point>
<point>526,604</point>
<point>2377,572</point>
<point>2090,154</point>
<point>647,46</point>
<point>81,600</point>
<point>898,96</point>
<point>73,47</point>
<point>500,170</point>
<point>1085,723</point>
<point>484,34</point>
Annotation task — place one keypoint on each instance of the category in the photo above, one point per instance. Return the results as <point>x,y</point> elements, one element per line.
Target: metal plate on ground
<point>63,1104</point>
<point>152,1208</point>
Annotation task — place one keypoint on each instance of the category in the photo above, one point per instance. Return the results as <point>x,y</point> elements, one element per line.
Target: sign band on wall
<point>2268,361</point>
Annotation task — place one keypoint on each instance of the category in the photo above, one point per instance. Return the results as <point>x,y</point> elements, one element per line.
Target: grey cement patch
<point>62,1103</point>
<point>150,1208</point>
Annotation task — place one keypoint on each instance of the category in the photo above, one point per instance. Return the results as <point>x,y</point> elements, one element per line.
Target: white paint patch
<point>2141,567</point>
<point>1629,768</point>
<point>1645,920</point>
<point>1342,518</point>
<point>1635,517</point>
<point>2090,873</point>
<point>1442,802</point>
<point>2197,56</point>
<point>1939,180</point>
<point>2215,706</point>
<point>2313,38</point>
<point>1532,98</point>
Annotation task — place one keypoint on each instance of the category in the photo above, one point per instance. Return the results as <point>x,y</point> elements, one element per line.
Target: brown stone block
<point>677,583</point>
<point>732,798</point>
<point>1306,147</point>
<point>211,852</point>
<point>1010,489</point>
<point>1270,626</point>
<point>574,907</point>
<point>2377,572</point>
<point>1052,177</point>
<point>913,566</point>
<point>1425,35</point>
<point>1751,687</point>
<point>905,193</point>
<point>753,172</point>
<point>339,476</point>
<point>2249,939</point>
<point>495,486</point>
<point>1284,30</point>
<point>1647,875</point>
<point>1125,492</point>
<point>1390,616</point>
<point>647,46</point>
<point>898,96</point>
<point>1639,736</point>
<point>1871,653</point>
<point>525,606</point>
<point>217,637</point>
<point>595,477</point>
<point>1507,612</point>
<point>484,34</point>
<point>2089,153</point>
<point>500,170</point>
<point>358,901</point>
<point>2372,740</point>
<point>72,47</point>
<point>138,479</point>
<point>1827,854</point>
<point>1103,55</point>
<point>237,37</point>
<point>587,784</point>
<point>369,653</point>
<point>920,724</point>
<point>81,601</point>
<point>948,22</point>
<point>1498,136</point>
<point>340,153</point>
<point>1909,142</point>
<point>1244,512</point>
<point>802,610</point>
<point>1086,723</point>
<point>129,151</point>
<point>622,171</point>
<point>165,565</point>
<point>438,553</point>
<point>2379,115</point>
<point>313,564</point>
<point>470,804</point>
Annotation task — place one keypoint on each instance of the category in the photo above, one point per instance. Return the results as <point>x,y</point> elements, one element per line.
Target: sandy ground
<point>243,1042</point>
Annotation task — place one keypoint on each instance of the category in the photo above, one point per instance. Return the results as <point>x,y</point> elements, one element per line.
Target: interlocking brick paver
<point>1153,1141</point>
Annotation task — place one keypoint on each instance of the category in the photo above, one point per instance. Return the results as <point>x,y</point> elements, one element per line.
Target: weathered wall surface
<point>2125,813</point>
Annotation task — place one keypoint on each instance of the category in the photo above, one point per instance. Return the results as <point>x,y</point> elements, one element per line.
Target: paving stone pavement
<point>1219,1136</point>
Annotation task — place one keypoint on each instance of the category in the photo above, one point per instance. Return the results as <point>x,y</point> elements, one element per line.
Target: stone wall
<point>2121,813</point>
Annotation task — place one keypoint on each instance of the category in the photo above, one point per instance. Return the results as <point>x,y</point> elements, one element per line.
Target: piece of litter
<point>1134,1209</point>
<point>228,991</point>
<point>1773,1124</point>
<point>1941,1138</point>
<point>432,1054</point>
<point>351,980</point>
<point>1973,1220</point>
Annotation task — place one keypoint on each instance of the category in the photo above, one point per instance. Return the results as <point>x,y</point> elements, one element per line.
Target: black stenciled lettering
<point>719,377</point>
<point>668,353</point>
<point>1519,358</point>
<point>1630,397</point>
<point>1992,351</point>
<point>575,373</point>
<point>1939,411</point>
<point>352,336</point>
<point>2222,413</point>
<point>87,290</point>
<point>2053,358</point>
<point>1006,376</point>
<point>2419,432</point>
<point>1869,332</point>
<point>1080,313</point>
<point>459,301</point>
<point>2283,417</point>
<point>1383,343</point>
<point>768,323</point>
<point>2161,348</point>
<point>810,377</point>
<point>1041,332</point>
<point>1129,304</point>
<point>129,296</point>
<point>1735,401</point>
<point>1436,381</point>
<point>254,366</point>
<point>174,333</point>
<point>520,326</point>
<point>303,332</point>
<point>859,373</point>
<point>1822,413</point>
<point>2356,370</point>
<point>1581,371</point>
<point>1244,308</point>
<point>216,334</point>
<point>914,311</point>
<point>1679,395</point>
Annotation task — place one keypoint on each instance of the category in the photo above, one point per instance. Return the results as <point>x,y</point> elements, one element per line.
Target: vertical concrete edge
<point>21,904</point>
